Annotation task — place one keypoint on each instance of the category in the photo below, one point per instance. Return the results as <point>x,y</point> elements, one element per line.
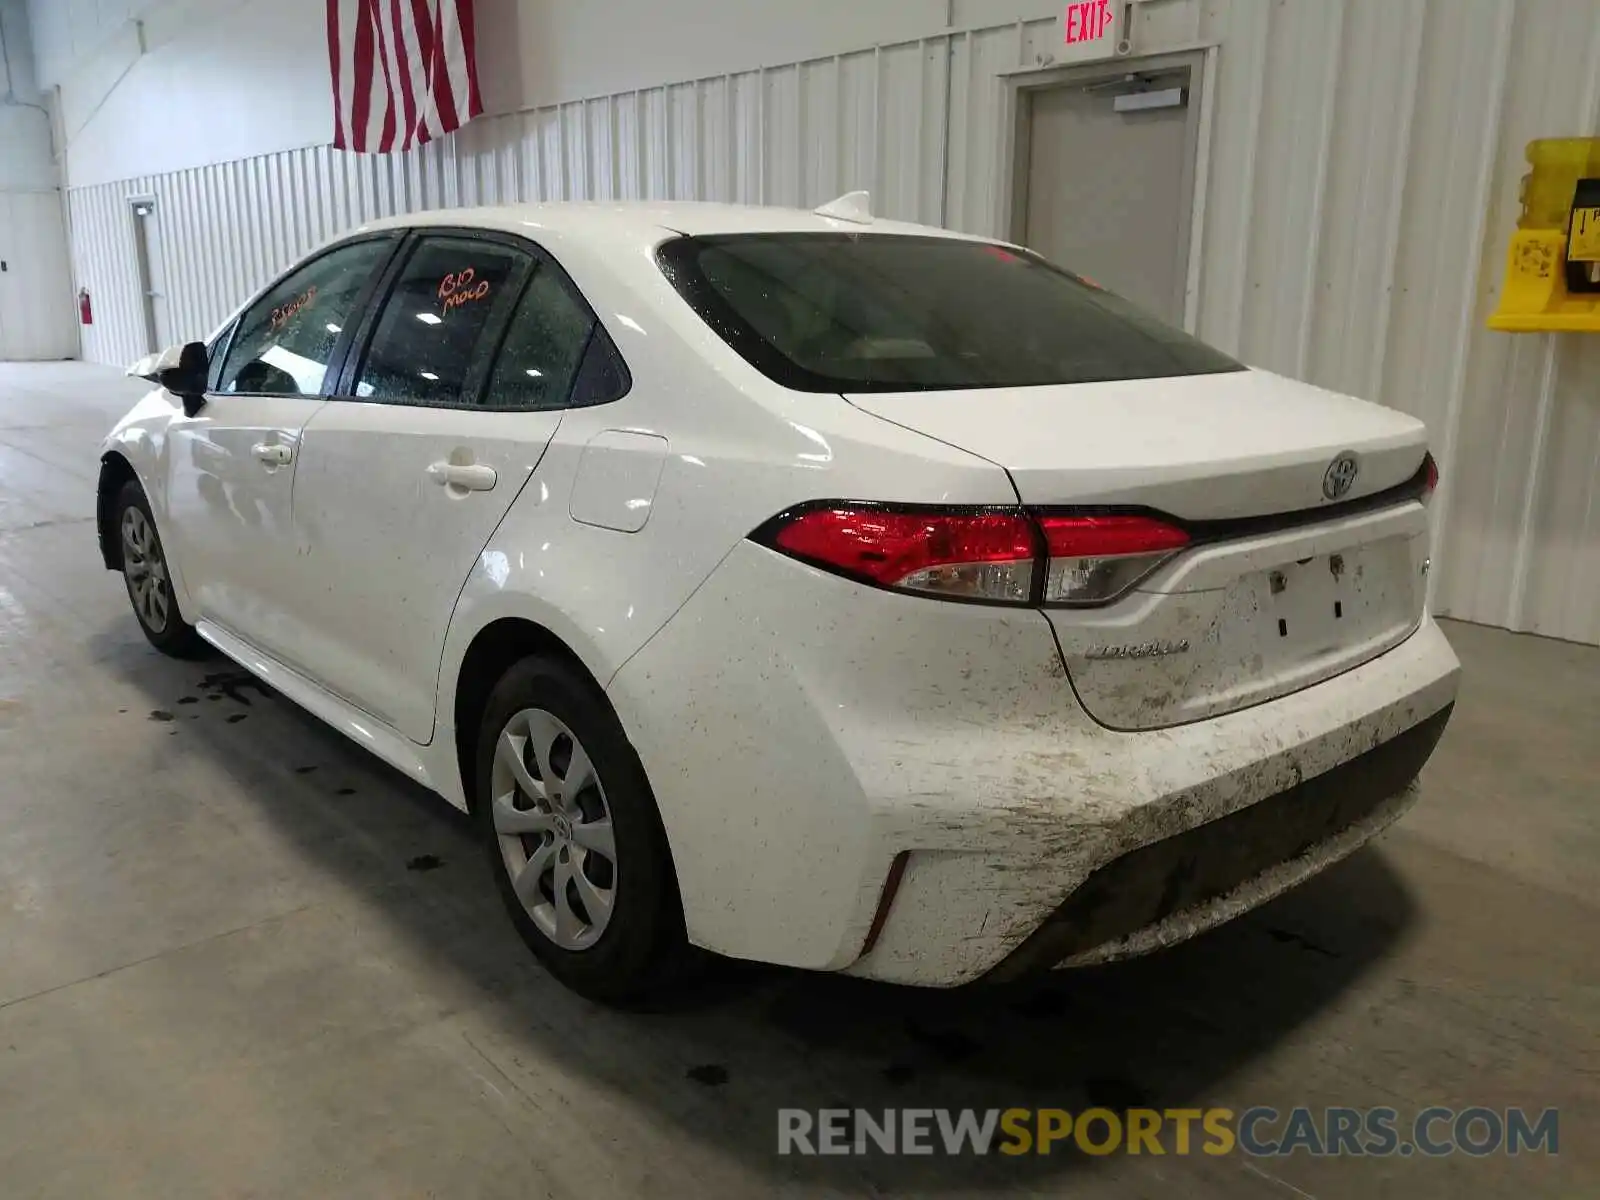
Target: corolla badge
<point>1154,649</point>
<point>1340,476</point>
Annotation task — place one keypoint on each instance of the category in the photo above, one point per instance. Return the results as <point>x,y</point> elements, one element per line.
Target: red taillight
<point>1003,555</point>
<point>1087,537</point>
<point>1094,559</point>
<point>974,556</point>
<point>1430,476</point>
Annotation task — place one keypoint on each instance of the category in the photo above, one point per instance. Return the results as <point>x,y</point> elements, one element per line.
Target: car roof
<point>649,221</point>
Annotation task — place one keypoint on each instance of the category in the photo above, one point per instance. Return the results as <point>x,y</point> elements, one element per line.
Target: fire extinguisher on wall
<point>85,309</point>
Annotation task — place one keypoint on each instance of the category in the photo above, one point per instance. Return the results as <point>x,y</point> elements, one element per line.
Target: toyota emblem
<point>1340,476</point>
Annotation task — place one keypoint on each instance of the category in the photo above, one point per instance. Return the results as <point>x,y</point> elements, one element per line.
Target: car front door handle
<point>473,477</point>
<point>275,454</point>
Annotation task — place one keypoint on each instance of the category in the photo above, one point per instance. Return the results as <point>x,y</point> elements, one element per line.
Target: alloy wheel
<point>144,569</point>
<point>554,827</point>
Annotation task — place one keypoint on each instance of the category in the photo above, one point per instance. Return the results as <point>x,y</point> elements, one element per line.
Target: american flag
<point>404,71</point>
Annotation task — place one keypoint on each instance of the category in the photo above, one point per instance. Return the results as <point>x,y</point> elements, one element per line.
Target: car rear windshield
<point>840,312</point>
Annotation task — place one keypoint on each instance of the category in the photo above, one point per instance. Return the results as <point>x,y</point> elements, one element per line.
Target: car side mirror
<point>182,370</point>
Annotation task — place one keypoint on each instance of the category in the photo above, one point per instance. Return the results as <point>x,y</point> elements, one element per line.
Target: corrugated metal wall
<point>1363,169</point>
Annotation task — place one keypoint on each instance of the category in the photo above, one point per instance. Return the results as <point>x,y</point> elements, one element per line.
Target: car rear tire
<point>149,582</point>
<point>574,838</point>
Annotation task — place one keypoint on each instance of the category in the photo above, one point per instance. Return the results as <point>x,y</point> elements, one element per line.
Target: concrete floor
<point>240,958</point>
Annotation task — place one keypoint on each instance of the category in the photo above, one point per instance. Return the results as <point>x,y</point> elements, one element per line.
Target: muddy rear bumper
<point>1106,844</point>
<point>855,780</point>
<point>1177,887</point>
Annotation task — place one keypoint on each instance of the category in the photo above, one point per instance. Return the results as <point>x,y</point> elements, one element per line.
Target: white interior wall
<point>25,155</point>
<point>36,317</point>
<point>1363,166</point>
<point>234,79</point>
<point>561,51</point>
<point>180,83</point>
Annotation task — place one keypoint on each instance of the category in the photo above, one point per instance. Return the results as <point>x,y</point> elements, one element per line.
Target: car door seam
<point>294,466</point>
<point>455,604</point>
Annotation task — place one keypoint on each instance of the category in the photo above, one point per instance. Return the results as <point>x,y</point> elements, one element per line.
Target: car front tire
<point>149,582</point>
<point>574,838</point>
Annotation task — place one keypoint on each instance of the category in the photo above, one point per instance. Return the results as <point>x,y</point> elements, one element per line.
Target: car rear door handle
<point>473,477</point>
<point>275,453</point>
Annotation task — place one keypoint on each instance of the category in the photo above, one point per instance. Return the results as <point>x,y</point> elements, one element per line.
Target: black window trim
<point>476,386</point>
<point>217,353</point>
<point>674,257</point>
<point>346,336</point>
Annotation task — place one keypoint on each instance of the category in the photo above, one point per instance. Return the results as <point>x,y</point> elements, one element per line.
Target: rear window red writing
<point>461,288</point>
<point>282,314</point>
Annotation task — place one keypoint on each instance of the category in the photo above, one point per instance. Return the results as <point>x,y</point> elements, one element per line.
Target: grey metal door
<point>1107,192</point>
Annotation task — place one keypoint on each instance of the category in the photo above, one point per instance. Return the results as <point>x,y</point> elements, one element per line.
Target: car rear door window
<point>603,376</point>
<point>439,321</point>
<point>838,312</point>
<point>284,341</point>
<point>546,351</point>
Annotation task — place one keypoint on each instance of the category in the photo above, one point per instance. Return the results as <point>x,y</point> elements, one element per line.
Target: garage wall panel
<point>36,310</point>
<point>1370,149</point>
<point>1559,583</point>
<point>1543,528</point>
<point>1364,159</point>
<point>1289,187</point>
<point>973,189</point>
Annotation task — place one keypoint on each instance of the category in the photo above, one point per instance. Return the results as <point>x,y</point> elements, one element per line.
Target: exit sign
<point>1090,29</point>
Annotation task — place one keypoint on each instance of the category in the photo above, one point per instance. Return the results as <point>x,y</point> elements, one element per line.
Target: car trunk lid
<point>1199,447</point>
<point>1291,580</point>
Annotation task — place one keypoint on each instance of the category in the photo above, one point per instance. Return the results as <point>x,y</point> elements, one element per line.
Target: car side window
<point>214,349</point>
<point>543,348</point>
<point>435,325</point>
<point>603,377</point>
<point>282,343</point>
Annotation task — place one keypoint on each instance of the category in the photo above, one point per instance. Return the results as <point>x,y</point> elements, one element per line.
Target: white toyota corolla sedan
<point>798,586</point>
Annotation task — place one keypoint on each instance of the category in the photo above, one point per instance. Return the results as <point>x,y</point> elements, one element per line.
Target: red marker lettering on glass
<point>281,314</point>
<point>456,290</point>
